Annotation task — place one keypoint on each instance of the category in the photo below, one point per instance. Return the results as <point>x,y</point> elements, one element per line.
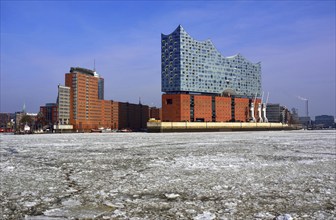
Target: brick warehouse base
<point>216,126</point>
<point>206,108</point>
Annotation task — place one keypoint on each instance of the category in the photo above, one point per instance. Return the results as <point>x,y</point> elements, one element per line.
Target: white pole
<point>264,109</point>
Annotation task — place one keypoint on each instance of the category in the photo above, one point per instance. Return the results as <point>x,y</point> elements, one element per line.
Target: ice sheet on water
<point>284,217</point>
<point>240,175</point>
<point>43,217</point>
<point>205,216</point>
<point>172,195</point>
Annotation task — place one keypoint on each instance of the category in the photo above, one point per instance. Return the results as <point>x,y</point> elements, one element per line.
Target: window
<point>169,101</point>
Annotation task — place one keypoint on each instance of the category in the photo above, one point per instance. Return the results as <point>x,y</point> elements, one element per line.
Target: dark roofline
<point>82,70</point>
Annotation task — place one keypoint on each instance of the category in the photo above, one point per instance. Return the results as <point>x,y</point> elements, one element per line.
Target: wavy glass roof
<point>188,65</point>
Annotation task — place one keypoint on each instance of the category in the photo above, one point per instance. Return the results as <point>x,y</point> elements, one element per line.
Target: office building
<point>274,112</point>
<point>326,121</point>
<point>63,104</point>
<point>87,111</point>
<point>279,113</point>
<point>50,113</point>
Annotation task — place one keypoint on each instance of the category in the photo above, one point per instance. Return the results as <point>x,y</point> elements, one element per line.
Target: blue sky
<point>40,41</point>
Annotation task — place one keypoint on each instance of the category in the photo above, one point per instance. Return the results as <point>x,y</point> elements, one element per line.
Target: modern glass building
<point>191,66</point>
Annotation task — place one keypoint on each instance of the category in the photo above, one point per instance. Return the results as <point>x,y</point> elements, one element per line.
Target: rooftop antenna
<point>94,64</point>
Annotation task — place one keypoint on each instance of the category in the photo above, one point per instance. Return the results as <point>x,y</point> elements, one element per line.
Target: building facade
<point>201,85</point>
<point>155,113</point>
<point>326,121</point>
<point>7,122</point>
<point>101,88</point>
<point>50,113</point>
<point>87,111</point>
<point>63,103</point>
<point>132,116</point>
<point>206,108</point>
<point>274,112</point>
<point>279,113</point>
<point>194,66</point>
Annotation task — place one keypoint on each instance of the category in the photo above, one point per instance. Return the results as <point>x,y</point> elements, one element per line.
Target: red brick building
<point>106,114</point>
<point>132,116</point>
<point>241,109</point>
<point>88,111</point>
<point>49,112</point>
<point>223,109</point>
<point>202,108</point>
<point>115,115</point>
<point>206,108</point>
<point>175,107</point>
<point>155,113</point>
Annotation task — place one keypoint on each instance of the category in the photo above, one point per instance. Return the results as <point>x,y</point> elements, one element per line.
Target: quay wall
<point>216,126</point>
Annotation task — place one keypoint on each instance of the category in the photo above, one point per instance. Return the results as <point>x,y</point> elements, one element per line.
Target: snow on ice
<point>226,175</point>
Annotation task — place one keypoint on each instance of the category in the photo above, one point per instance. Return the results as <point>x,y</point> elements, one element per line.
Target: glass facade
<point>101,88</point>
<point>190,66</point>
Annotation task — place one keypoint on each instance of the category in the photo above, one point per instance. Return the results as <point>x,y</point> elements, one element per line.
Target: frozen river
<point>229,175</point>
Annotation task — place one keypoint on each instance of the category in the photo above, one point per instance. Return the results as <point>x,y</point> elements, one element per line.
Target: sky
<point>41,40</point>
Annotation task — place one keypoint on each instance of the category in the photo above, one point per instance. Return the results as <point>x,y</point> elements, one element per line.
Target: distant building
<point>17,119</point>
<point>305,120</point>
<point>87,111</point>
<point>155,113</point>
<point>63,103</point>
<point>326,121</point>
<point>277,113</point>
<point>49,112</point>
<point>7,122</point>
<point>295,116</point>
<point>273,112</point>
<point>63,110</point>
<point>131,116</point>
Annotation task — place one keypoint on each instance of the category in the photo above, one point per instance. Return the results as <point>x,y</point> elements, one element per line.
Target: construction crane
<point>260,108</point>
<point>252,109</point>
<point>264,109</point>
